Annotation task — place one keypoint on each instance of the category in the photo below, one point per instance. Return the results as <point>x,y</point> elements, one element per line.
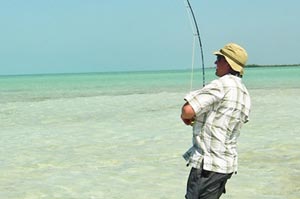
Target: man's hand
<point>188,121</point>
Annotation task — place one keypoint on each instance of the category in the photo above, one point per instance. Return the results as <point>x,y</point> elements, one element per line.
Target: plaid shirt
<point>221,108</point>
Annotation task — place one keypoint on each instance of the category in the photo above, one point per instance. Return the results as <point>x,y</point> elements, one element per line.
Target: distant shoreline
<point>270,65</point>
<point>142,71</point>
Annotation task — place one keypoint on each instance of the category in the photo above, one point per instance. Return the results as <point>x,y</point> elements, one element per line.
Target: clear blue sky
<point>59,36</point>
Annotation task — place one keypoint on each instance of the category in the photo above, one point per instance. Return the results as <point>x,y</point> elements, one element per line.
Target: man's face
<point>223,67</point>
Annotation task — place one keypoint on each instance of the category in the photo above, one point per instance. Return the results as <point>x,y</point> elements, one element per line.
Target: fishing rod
<point>196,34</point>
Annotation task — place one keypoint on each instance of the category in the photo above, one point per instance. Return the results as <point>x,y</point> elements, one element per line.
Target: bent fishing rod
<point>197,35</point>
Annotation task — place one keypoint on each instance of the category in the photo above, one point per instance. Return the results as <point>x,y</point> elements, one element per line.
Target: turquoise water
<point>118,135</point>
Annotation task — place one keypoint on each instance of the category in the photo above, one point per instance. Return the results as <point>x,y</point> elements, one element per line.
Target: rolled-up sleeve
<point>203,99</point>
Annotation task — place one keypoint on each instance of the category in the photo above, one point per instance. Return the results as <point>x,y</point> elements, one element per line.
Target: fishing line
<point>196,34</point>
<point>193,63</point>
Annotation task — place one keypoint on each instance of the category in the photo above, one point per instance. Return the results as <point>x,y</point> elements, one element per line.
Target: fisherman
<point>216,112</point>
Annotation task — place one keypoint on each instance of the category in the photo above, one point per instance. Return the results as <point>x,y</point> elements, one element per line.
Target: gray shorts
<point>204,184</point>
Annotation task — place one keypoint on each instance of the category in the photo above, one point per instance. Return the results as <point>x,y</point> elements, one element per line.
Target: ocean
<point>119,135</point>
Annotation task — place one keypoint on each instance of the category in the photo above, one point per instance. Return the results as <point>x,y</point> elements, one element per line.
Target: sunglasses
<point>219,58</point>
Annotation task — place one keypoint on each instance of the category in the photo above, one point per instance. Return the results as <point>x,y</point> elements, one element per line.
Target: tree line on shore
<point>270,65</point>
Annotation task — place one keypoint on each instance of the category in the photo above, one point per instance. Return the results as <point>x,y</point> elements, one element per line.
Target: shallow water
<point>120,136</point>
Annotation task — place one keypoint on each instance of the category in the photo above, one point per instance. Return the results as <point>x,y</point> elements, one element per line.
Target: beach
<point>119,135</point>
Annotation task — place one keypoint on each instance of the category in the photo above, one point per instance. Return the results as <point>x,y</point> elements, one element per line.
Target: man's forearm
<point>187,111</point>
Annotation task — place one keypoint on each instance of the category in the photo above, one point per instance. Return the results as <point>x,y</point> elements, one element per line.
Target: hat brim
<point>232,64</point>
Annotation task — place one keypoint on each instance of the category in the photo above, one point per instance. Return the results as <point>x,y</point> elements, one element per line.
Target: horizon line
<point>141,71</point>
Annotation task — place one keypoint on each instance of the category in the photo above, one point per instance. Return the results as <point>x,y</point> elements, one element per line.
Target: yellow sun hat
<point>235,55</point>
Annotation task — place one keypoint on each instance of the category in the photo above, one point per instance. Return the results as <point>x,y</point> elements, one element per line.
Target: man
<point>217,113</point>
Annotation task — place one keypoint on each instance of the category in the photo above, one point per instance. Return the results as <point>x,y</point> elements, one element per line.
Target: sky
<point>74,36</point>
